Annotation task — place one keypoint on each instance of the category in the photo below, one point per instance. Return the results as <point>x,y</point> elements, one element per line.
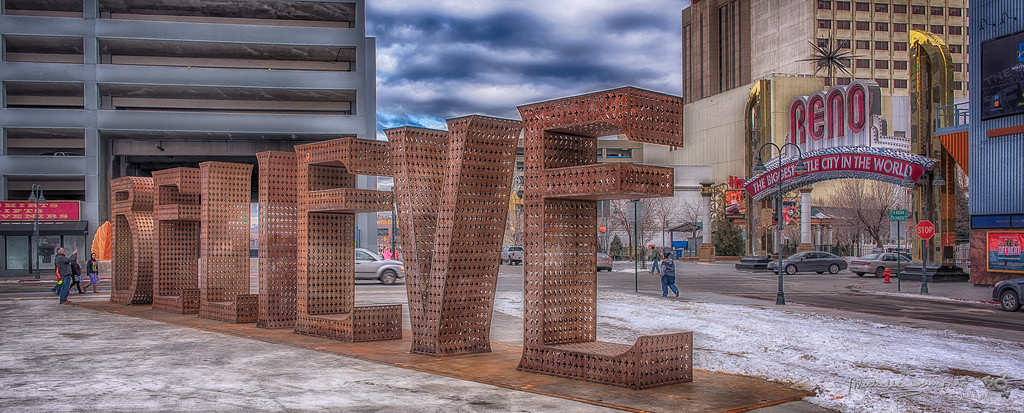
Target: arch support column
<point>706,252</point>
<point>805,220</point>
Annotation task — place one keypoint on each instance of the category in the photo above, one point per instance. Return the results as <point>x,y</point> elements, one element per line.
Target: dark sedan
<point>1008,293</point>
<point>806,261</point>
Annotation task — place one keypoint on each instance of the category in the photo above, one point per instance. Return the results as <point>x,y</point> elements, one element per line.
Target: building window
<point>881,8</point>
<point>917,10</point>
<point>843,24</point>
<point>843,81</point>
<point>822,42</point>
<point>882,82</point>
<point>937,11</point>
<point>824,24</point>
<point>824,5</point>
<point>899,64</point>
<point>899,83</point>
<point>863,25</point>
<point>863,44</point>
<point>881,64</point>
<point>899,27</point>
<point>881,45</point>
<point>958,67</point>
<point>919,27</point>
<point>955,48</point>
<point>899,8</point>
<point>881,27</point>
<point>863,64</point>
<point>954,11</point>
<point>861,6</point>
<point>899,46</point>
<point>938,29</point>
<point>843,5</point>
<point>958,85</point>
<point>955,30</point>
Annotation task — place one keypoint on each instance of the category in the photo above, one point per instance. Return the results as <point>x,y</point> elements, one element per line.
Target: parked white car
<point>512,255</point>
<point>370,266</point>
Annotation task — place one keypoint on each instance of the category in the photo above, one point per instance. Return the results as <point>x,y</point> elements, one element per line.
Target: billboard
<point>1004,251</point>
<point>48,211</point>
<point>1002,76</point>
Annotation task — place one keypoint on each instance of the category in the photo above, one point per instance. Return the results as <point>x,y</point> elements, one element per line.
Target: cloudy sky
<point>440,59</point>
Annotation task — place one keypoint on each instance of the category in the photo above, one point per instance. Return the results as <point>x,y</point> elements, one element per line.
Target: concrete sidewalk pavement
<point>61,357</point>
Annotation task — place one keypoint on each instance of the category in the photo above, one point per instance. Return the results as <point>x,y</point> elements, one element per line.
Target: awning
<point>45,228</point>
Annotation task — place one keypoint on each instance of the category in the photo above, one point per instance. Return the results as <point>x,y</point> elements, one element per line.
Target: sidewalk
<point>130,362</point>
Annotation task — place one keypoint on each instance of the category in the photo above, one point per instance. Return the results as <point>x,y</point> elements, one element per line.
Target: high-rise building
<point>98,89</point>
<point>727,43</point>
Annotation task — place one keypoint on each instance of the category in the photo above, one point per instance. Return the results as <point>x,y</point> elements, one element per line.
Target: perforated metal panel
<point>563,183</point>
<point>224,295</point>
<point>327,202</point>
<point>453,217</point>
<point>278,238</point>
<point>131,200</point>
<point>176,250</point>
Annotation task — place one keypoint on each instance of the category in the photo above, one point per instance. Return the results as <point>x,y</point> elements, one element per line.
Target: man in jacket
<point>63,264</point>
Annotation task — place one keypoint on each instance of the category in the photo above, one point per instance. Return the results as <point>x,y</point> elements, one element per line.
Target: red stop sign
<point>925,229</point>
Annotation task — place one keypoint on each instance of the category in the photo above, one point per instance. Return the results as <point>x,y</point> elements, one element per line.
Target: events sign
<point>1004,251</point>
<point>48,211</point>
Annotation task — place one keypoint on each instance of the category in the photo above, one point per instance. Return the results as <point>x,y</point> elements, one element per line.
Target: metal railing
<point>952,115</point>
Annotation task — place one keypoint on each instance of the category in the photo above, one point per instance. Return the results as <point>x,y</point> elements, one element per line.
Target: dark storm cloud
<point>443,59</point>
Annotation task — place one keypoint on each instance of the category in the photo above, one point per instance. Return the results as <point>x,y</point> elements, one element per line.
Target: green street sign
<point>898,215</point>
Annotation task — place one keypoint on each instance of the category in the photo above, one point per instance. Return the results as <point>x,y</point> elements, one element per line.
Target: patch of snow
<point>854,365</point>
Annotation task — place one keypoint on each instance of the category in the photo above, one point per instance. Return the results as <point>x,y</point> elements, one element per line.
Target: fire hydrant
<point>886,275</point>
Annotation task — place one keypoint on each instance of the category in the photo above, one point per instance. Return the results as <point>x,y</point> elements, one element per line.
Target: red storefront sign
<point>48,211</point>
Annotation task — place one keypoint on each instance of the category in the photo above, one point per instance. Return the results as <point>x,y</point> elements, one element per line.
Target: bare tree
<point>861,207</point>
<point>623,217</point>
<point>514,228</point>
<point>665,214</point>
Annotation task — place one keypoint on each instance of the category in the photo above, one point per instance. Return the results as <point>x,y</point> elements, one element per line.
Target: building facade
<point>97,89</point>
<point>996,136</point>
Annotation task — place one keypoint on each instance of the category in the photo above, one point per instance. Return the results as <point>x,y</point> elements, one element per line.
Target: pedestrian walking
<point>668,277</point>
<point>94,273</point>
<point>63,264</point>
<point>655,258</point>
<point>76,277</point>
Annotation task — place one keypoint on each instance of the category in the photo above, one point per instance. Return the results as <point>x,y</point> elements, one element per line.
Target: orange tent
<point>101,244</point>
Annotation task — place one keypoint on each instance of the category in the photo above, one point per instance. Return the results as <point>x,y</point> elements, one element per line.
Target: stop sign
<point>925,229</point>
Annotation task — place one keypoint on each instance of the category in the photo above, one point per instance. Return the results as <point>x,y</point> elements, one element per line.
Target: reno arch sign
<point>841,116</point>
<point>840,133</point>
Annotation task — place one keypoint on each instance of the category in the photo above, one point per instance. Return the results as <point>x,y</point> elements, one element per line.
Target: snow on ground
<point>854,365</point>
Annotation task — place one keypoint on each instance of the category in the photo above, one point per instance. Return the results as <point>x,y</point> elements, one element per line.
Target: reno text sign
<point>845,115</point>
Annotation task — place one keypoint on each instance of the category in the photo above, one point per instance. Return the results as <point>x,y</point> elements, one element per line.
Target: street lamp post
<point>37,198</point>
<point>925,245</point>
<point>780,297</point>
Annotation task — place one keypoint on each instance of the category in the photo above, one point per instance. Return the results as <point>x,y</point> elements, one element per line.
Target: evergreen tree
<point>727,238</point>
<point>615,250</point>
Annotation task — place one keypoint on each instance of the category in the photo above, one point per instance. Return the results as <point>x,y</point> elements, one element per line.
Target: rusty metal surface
<point>642,115</point>
<point>325,282</point>
<point>563,183</point>
<point>278,198</point>
<point>453,217</point>
<point>132,214</point>
<point>224,295</point>
<point>176,249</point>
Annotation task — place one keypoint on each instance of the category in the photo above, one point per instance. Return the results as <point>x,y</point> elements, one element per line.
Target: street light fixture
<point>800,168</point>
<point>33,197</point>
<point>909,184</point>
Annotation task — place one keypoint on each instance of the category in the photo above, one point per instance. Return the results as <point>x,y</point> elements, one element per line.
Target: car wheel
<point>880,272</point>
<point>860,274</point>
<point>388,277</point>
<point>1009,300</point>
<point>791,269</point>
<point>833,269</point>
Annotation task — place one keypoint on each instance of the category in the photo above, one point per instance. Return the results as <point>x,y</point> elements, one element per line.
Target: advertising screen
<point>1004,251</point>
<point>1002,76</point>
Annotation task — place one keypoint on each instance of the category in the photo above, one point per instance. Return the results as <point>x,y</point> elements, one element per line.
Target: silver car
<point>816,261</point>
<point>877,263</point>
<point>370,266</point>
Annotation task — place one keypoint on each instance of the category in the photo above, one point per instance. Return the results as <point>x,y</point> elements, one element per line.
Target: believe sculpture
<point>131,206</point>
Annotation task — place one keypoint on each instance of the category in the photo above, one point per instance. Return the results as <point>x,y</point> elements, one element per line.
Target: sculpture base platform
<point>937,273</point>
<point>706,252</point>
<point>804,248</point>
<point>753,263</point>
